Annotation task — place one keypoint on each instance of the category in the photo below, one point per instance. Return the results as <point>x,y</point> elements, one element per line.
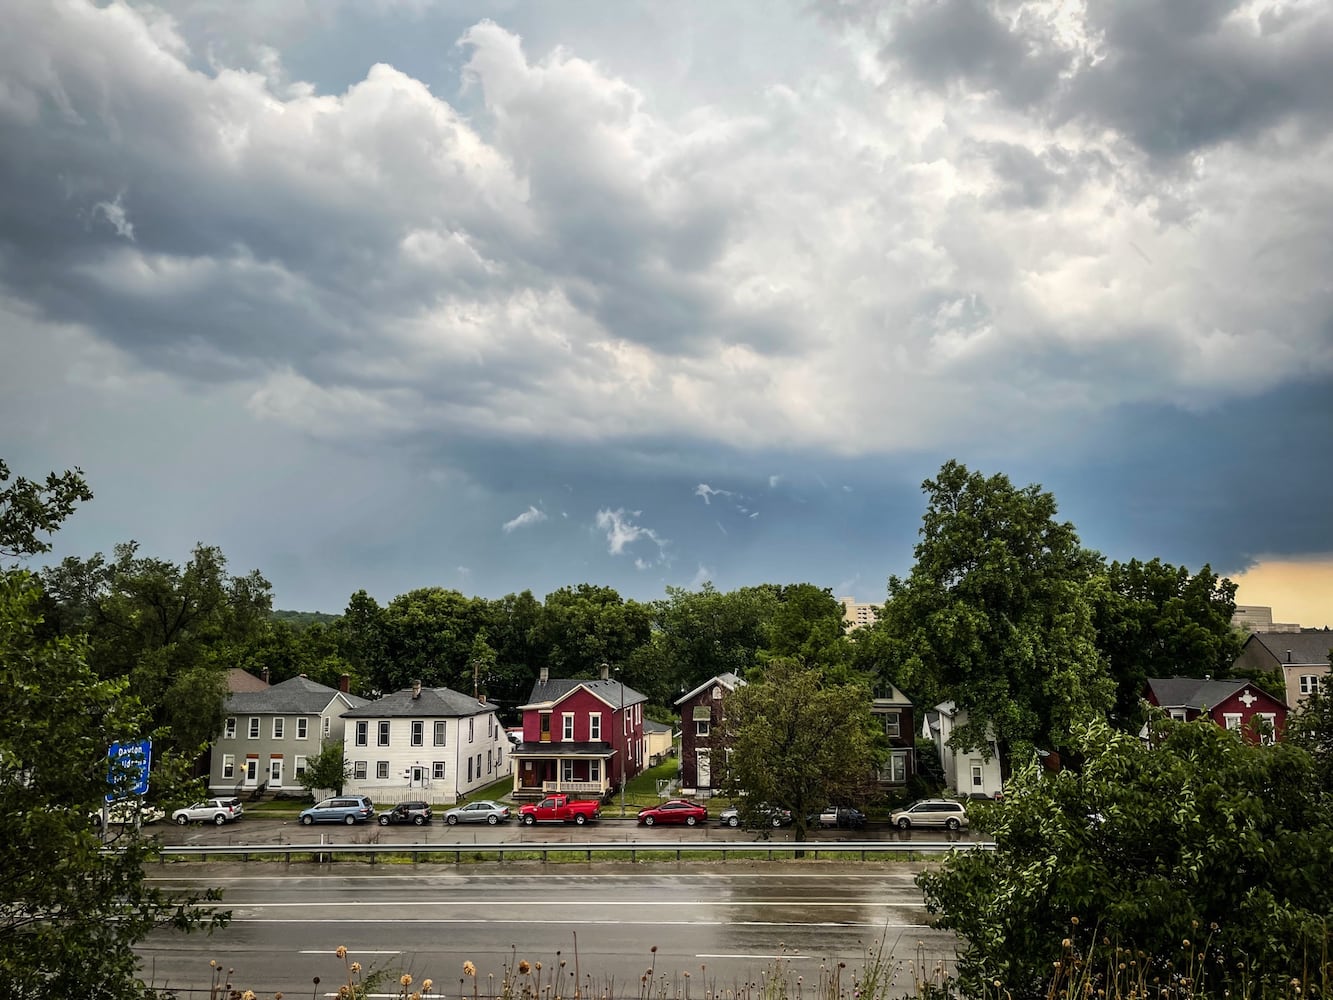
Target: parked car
<point>417,813</point>
<point>560,809</point>
<point>127,812</point>
<point>347,809</point>
<point>215,811</point>
<point>843,817</point>
<point>766,814</point>
<point>674,811</point>
<point>947,813</point>
<point>481,811</point>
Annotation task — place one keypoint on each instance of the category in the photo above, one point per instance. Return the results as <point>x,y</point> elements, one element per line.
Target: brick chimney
<point>606,671</point>
<point>344,683</point>
<point>544,675</point>
<point>416,690</point>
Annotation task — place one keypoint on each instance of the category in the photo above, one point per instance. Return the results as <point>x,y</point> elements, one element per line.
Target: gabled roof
<point>241,680</point>
<point>893,698</point>
<point>727,680</point>
<point>1199,694</point>
<point>297,696</point>
<point>1305,647</point>
<point>432,703</point>
<point>649,726</point>
<point>546,694</point>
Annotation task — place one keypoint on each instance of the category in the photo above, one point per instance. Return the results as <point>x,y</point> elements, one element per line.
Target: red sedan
<point>674,811</point>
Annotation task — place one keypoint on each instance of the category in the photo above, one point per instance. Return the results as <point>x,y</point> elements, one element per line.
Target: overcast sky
<point>501,295</point>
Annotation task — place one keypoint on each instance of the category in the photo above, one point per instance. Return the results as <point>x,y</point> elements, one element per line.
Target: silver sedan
<point>481,811</point>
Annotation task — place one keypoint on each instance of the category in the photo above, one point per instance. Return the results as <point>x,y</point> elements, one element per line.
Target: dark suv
<point>417,813</point>
<point>347,809</point>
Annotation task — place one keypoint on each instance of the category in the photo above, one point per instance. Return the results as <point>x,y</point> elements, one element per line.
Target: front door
<point>529,775</point>
<point>275,772</point>
<point>252,771</point>
<point>704,768</point>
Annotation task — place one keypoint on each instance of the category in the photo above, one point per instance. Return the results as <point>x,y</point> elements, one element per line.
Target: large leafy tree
<point>585,626</point>
<point>1200,837</point>
<point>30,510</point>
<point>427,635</point>
<point>806,624</point>
<point>1158,620</point>
<point>794,741</point>
<point>171,629</point>
<point>996,613</point>
<point>1310,727</point>
<point>71,906</point>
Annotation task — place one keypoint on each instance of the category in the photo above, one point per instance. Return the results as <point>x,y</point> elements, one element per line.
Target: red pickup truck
<point>560,809</point>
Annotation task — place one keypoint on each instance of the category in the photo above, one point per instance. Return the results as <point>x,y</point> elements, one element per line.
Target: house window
<point>302,728</point>
<point>229,727</point>
<point>1178,714</point>
<point>717,694</point>
<point>469,769</point>
<point>701,727</point>
<point>1232,721</point>
<point>383,738</point>
<point>567,732</point>
<point>545,727</point>
<point>471,726</point>
<point>566,770</point>
<point>1267,723</point>
<point>490,760</point>
<point>976,776</point>
<point>362,731</point>
<point>254,727</point>
<point>299,767</point>
<point>328,726</point>
<point>894,770</point>
<point>437,770</point>
<point>594,770</point>
<point>228,766</point>
<point>595,726</point>
<point>279,727</point>
<point>381,769</point>
<point>418,733</point>
<point>1309,683</point>
<point>359,770</point>
<point>892,725</point>
<point>439,734</point>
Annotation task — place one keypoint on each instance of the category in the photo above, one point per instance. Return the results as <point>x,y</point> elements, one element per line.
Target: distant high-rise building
<point>1258,618</point>
<point>856,615</point>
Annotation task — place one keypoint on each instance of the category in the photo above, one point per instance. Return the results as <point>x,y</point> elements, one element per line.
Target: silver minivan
<point>931,812</point>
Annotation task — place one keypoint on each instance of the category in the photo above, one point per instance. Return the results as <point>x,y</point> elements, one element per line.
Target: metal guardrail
<point>321,853</point>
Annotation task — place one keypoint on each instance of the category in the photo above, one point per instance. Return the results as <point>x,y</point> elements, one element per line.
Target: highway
<point>724,925</point>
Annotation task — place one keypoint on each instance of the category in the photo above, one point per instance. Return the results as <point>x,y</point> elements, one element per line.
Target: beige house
<point>1302,656</point>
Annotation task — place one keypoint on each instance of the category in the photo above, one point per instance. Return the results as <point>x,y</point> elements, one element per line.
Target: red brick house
<point>580,736</point>
<point>700,727</point>
<point>894,713</point>
<point>1234,704</point>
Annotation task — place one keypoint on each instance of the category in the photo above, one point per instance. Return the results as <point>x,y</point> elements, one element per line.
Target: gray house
<point>268,735</point>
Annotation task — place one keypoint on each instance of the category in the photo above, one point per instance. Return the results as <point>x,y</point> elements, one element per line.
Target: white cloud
<point>701,576</point>
<point>530,516</point>
<point>621,531</point>
<point>707,492</point>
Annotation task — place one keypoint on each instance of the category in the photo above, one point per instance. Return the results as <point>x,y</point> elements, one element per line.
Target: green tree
<point>996,615</point>
<point>806,624</point>
<point>1158,620</point>
<point>29,509</point>
<point>1199,836</point>
<point>427,636</point>
<point>327,769</point>
<point>71,907</point>
<point>1310,727</point>
<point>796,742</point>
<point>585,626</point>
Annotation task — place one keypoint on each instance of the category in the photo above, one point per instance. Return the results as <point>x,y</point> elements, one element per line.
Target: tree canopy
<point>797,742</point>
<point>1201,835</point>
<point>996,614</point>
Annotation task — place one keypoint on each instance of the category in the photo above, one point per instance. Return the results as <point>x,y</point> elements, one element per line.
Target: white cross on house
<point>1248,699</point>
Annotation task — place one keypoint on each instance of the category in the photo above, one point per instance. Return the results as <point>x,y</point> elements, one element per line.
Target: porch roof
<point>555,751</point>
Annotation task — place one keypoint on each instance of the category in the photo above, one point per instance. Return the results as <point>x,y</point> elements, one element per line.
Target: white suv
<point>215,811</point>
<point>931,812</point>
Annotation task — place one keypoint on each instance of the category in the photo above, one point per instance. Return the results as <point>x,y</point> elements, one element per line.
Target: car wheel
<point>451,820</point>
<point>182,820</point>
<point>647,821</point>
<point>384,820</point>
<point>952,824</point>
<point>580,819</point>
<point>690,821</point>
<point>734,821</point>
<point>419,820</point>
<point>349,820</point>
<point>530,820</point>
<point>307,820</point>
<point>492,820</point>
<point>904,824</point>
<point>219,819</point>
<point>775,821</point>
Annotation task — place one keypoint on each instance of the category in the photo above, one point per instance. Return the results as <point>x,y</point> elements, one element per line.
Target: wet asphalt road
<point>725,924</point>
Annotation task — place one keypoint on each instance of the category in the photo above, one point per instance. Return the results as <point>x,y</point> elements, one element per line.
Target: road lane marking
<point>564,904</point>
<point>610,923</point>
<point>473,877</point>
<point>350,951</point>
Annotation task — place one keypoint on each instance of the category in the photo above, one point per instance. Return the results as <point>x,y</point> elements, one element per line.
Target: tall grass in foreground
<point>1099,971</point>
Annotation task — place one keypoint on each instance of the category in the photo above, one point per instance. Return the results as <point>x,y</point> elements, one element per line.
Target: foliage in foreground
<point>1144,846</point>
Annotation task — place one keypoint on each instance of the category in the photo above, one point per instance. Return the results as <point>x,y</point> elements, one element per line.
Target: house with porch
<point>580,736</point>
<point>894,714</point>
<point>700,734</point>
<point>269,733</point>
<point>1233,703</point>
<point>424,743</point>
